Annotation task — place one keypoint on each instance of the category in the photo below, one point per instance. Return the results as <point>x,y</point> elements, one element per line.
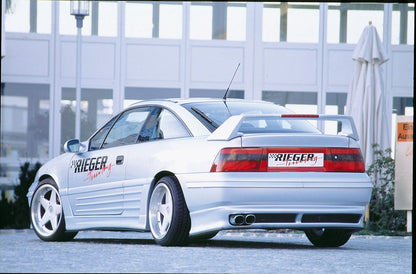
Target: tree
<point>15,214</point>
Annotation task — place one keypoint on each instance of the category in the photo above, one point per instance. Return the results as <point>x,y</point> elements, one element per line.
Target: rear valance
<point>239,125</point>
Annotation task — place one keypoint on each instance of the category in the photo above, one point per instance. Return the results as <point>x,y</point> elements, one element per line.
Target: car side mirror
<point>72,146</point>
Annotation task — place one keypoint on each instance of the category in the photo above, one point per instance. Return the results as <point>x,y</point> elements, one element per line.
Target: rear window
<point>213,114</point>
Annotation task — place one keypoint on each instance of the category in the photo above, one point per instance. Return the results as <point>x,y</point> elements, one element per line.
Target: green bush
<point>383,217</point>
<point>15,214</point>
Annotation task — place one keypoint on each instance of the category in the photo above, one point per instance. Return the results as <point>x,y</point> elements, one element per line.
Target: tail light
<point>289,160</point>
<point>346,160</point>
<point>238,159</point>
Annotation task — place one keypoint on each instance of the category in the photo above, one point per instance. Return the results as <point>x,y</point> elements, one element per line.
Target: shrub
<point>15,214</point>
<point>383,217</point>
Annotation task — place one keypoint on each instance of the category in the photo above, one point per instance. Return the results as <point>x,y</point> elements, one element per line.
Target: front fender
<point>57,169</point>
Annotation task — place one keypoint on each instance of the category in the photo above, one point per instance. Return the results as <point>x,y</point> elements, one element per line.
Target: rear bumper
<point>277,200</point>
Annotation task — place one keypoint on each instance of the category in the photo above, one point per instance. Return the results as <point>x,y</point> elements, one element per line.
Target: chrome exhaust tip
<point>249,219</point>
<point>237,219</point>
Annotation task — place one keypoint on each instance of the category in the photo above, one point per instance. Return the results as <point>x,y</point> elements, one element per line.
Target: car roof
<point>181,101</point>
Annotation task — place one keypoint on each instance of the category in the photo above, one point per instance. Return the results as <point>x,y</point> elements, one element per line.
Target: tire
<point>168,214</point>
<point>328,237</point>
<point>46,213</point>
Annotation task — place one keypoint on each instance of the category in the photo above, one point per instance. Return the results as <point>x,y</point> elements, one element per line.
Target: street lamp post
<point>79,9</point>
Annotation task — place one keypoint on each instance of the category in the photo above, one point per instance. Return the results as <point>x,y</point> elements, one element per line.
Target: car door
<point>156,138</point>
<point>96,177</point>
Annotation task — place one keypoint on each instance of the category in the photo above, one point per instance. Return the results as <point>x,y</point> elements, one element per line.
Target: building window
<point>335,103</point>
<point>153,20</point>
<point>170,21</point>
<point>215,93</point>
<point>96,109</point>
<point>346,21</point>
<point>201,22</point>
<point>104,18</point>
<point>139,20</point>
<point>403,24</point>
<point>291,22</point>
<point>218,21</point>
<point>134,94</point>
<point>28,16</point>
<point>24,126</point>
<point>403,106</point>
<point>236,22</point>
<point>299,102</point>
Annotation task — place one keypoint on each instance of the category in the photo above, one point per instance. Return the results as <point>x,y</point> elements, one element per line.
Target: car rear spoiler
<point>230,129</point>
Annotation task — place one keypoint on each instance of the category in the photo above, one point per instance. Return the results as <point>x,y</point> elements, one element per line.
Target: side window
<point>162,124</point>
<point>126,130</point>
<point>98,138</point>
<point>150,130</point>
<point>171,127</point>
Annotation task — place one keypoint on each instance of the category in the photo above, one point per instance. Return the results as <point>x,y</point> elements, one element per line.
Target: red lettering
<point>104,170</point>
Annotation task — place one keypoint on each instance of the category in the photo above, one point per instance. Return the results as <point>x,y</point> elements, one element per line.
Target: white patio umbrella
<point>366,100</point>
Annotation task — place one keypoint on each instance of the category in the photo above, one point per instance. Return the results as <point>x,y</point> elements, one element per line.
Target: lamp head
<point>80,8</point>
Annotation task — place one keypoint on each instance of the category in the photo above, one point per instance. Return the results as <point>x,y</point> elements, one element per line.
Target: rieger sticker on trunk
<point>296,160</point>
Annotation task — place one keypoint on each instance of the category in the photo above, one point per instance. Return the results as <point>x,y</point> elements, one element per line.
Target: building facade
<point>294,54</point>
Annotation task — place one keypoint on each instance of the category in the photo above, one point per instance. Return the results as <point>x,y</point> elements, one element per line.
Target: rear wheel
<point>328,237</point>
<point>46,213</point>
<point>168,214</point>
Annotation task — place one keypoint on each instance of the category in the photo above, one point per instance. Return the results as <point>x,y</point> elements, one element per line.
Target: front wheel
<point>46,213</point>
<point>328,237</point>
<point>168,214</point>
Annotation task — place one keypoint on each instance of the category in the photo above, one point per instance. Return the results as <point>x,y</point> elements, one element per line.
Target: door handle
<point>120,160</point>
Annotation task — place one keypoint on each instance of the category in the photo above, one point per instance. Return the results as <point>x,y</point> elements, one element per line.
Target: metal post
<point>78,79</point>
<point>79,9</point>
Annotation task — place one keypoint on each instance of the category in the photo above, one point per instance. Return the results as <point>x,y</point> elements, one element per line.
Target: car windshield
<point>213,114</point>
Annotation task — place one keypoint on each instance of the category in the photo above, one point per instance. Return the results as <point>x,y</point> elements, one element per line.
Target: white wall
<point>119,62</point>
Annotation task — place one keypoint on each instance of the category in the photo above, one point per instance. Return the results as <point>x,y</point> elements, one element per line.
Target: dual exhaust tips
<point>242,219</point>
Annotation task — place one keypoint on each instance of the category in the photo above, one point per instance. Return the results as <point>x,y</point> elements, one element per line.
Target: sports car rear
<point>280,180</point>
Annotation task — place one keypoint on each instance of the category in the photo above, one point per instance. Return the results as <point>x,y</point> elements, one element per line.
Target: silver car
<point>187,169</point>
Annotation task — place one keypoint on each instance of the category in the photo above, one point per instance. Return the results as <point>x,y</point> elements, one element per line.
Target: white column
<point>3,30</point>
<point>120,59</point>
<point>56,89</point>
<point>185,62</point>
<point>387,66</point>
<point>257,70</point>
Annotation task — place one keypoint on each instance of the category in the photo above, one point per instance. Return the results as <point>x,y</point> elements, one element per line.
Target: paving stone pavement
<point>228,252</point>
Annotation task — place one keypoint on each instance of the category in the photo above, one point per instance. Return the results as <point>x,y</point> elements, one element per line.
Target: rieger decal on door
<point>89,164</point>
<point>95,166</point>
<point>96,180</point>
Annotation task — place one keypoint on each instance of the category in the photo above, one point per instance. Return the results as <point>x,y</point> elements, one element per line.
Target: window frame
<point>160,109</point>
<point>116,119</point>
<point>180,122</point>
<point>153,108</point>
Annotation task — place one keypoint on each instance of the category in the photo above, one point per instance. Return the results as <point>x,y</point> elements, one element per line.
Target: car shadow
<point>115,241</point>
<point>212,243</point>
<point>249,244</point>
